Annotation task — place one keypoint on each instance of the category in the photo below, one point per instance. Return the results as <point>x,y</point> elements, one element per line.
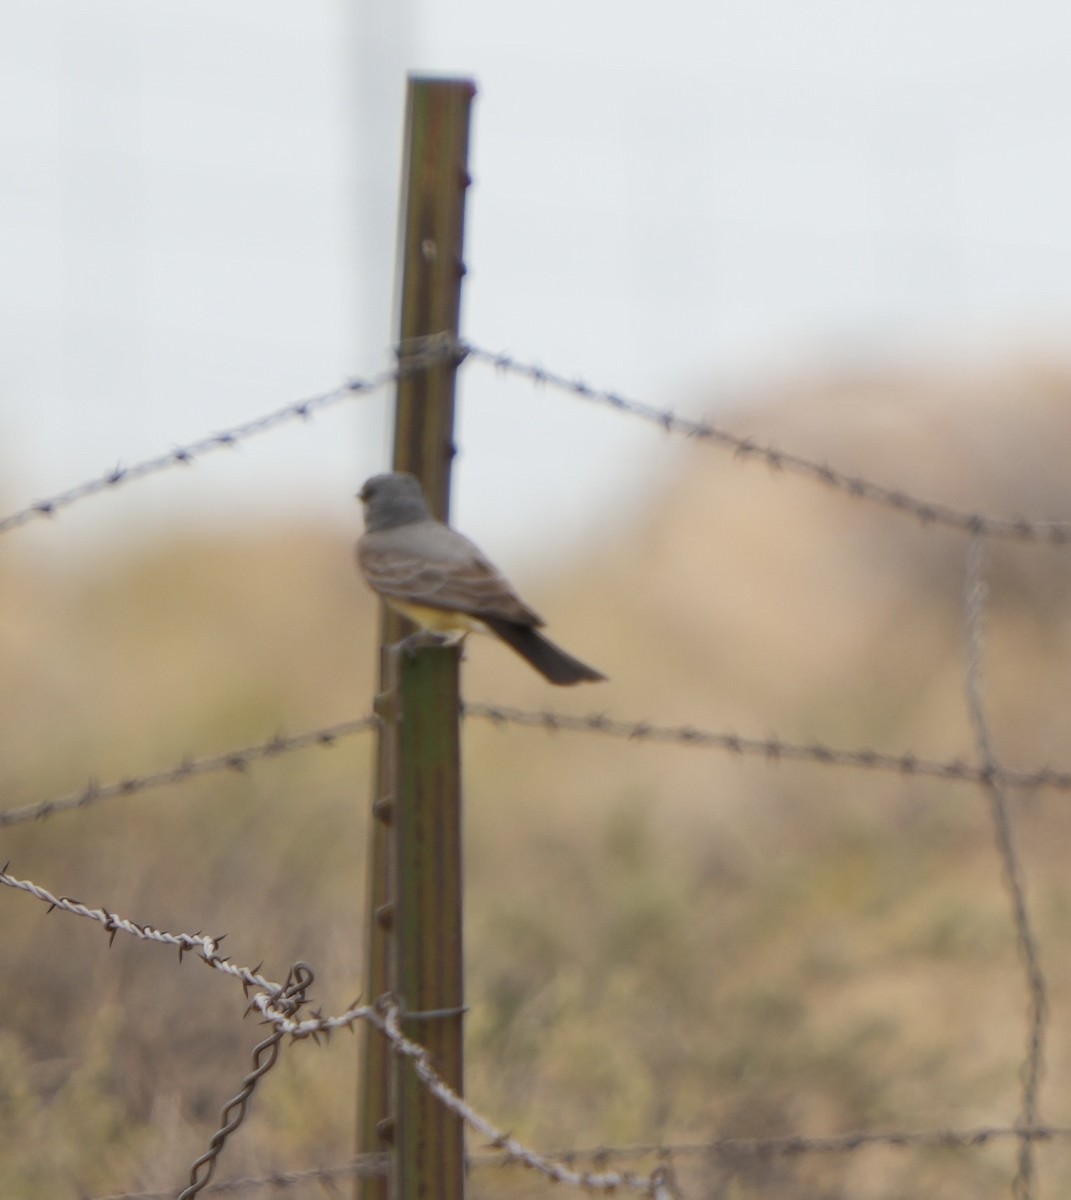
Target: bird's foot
<point>424,638</point>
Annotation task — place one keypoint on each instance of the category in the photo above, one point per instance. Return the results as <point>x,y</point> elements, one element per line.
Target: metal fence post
<point>414,923</point>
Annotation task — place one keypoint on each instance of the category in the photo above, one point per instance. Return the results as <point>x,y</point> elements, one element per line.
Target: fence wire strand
<point>1056,533</point>
<point>189,768</point>
<point>369,1166</point>
<point>228,439</point>
<point>975,596</point>
<point>789,1145</point>
<point>772,750</point>
<point>557,1172</point>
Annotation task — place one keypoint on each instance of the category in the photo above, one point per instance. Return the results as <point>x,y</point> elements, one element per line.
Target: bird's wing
<point>434,565</point>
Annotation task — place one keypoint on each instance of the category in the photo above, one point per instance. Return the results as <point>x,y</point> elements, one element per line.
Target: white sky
<point>678,201</point>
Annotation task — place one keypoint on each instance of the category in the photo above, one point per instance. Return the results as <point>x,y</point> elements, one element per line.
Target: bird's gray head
<point>391,500</point>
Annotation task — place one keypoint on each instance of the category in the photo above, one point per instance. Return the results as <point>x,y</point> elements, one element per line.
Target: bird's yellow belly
<point>439,620</point>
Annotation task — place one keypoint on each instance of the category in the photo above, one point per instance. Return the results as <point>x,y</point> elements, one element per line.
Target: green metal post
<point>429,1148</point>
<point>434,182</point>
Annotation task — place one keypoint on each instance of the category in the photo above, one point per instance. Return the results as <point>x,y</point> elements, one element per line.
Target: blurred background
<point>198,223</point>
<point>839,227</point>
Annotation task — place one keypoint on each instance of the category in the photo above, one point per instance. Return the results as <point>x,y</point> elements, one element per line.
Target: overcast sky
<point>680,201</point>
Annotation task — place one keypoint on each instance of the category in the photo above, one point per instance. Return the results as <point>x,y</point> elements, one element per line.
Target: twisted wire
<point>289,998</point>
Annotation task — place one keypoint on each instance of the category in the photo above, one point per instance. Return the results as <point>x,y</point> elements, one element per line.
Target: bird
<point>443,582</point>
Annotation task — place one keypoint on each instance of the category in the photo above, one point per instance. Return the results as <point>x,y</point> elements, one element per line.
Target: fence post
<point>414,921</point>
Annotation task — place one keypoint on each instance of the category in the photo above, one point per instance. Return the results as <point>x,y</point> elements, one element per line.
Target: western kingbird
<point>439,579</point>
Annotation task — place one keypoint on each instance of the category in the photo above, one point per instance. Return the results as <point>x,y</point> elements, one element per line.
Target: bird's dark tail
<point>549,660</point>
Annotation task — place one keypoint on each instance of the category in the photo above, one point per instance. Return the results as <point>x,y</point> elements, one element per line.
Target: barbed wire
<point>274,1003</point>
<point>189,768</point>
<point>557,1166</point>
<point>277,1004</point>
<point>386,1016</point>
<point>422,353</point>
<point>229,439</point>
<point>288,999</point>
<point>771,749</point>
<point>202,946</point>
<point>655,1184</point>
<point>974,600</point>
<point>278,1007</point>
<point>783,1145</point>
<point>791,1144</point>
<point>1056,533</point>
<point>368,1166</point>
<point>364,1166</point>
